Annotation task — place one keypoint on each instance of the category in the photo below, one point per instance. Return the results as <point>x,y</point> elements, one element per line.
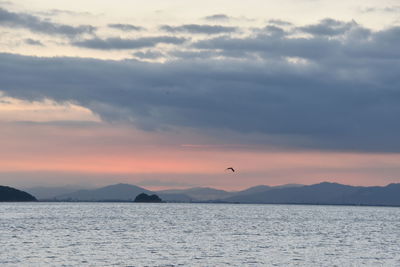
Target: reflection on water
<point>132,234</point>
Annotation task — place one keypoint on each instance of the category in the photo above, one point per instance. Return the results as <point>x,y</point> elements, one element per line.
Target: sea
<point>167,234</point>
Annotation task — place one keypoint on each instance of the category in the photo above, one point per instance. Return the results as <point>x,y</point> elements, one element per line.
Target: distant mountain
<point>198,193</point>
<point>287,186</point>
<point>253,190</point>
<point>261,188</point>
<point>322,193</point>
<point>119,192</point>
<point>10,194</point>
<point>45,193</point>
<point>325,193</point>
<point>174,197</point>
<point>388,195</point>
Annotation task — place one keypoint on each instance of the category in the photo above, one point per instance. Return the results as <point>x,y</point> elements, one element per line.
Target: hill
<point>45,193</point>
<point>198,193</point>
<point>325,193</point>
<point>9,194</point>
<point>117,192</point>
<point>144,198</point>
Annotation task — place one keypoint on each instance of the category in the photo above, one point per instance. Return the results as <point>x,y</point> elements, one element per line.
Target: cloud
<point>389,9</point>
<point>270,46</point>
<point>218,17</point>
<point>196,54</point>
<point>273,42</point>
<point>12,109</point>
<point>119,43</point>
<point>148,54</point>
<point>225,18</point>
<point>274,30</point>
<point>125,27</point>
<point>58,12</point>
<point>337,93</point>
<point>36,24</point>
<point>279,22</point>
<point>328,27</point>
<point>30,41</point>
<point>394,9</point>
<point>199,29</point>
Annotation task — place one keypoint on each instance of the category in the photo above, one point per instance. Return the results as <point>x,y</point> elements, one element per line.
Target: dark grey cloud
<point>345,97</point>
<point>36,24</point>
<point>328,27</point>
<point>279,22</point>
<point>274,30</point>
<point>194,54</point>
<point>30,41</point>
<point>125,27</point>
<point>218,17</point>
<point>199,29</point>
<point>148,54</point>
<point>271,46</point>
<point>273,42</point>
<point>119,43</point>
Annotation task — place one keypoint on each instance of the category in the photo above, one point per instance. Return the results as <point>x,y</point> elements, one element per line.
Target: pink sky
<point>97,154</point>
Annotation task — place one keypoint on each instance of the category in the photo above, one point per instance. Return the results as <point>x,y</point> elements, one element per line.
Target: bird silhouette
<point>230,168</point>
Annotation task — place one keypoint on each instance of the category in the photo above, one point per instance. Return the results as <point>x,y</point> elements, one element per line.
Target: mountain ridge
<point>107,193</point>
<point>325,193</point>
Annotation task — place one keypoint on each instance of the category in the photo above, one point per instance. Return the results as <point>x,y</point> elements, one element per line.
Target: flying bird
<point>230,168</point>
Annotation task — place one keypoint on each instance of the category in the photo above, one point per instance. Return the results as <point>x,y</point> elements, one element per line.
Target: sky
<point>168,94</point>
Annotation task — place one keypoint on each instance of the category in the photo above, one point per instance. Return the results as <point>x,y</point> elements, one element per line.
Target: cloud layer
<point>119,43</point>
<point>36,24</point>
<point>125,27</point>
<point>199,29</point>
<point>328,85</point>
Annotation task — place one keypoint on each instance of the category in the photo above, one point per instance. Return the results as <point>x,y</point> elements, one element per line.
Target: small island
<point>145,198</point>
<point>9,194</point>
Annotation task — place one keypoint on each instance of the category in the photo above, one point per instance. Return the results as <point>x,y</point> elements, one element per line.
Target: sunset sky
<point>168,94</point>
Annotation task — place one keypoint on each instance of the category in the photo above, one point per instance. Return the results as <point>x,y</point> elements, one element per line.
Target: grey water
<point>132,234</point>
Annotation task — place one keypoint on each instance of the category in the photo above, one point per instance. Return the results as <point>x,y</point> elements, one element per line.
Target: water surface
<point>132,234</point>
